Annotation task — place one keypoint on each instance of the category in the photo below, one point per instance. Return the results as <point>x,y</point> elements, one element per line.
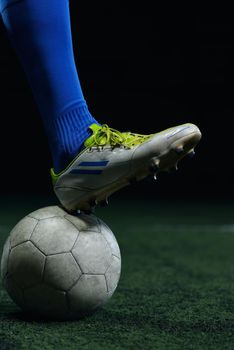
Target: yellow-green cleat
<point>111,160</point>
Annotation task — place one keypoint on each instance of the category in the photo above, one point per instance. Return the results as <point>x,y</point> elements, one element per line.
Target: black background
<point>142,69</point>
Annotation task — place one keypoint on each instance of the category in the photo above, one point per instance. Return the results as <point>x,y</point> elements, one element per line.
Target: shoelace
<point>106,135</point>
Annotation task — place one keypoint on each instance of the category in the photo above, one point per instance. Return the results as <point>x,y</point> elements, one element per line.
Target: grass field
<point>176,289</point>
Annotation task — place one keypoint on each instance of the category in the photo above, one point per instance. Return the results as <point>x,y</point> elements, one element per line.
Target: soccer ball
<point>59,265</point>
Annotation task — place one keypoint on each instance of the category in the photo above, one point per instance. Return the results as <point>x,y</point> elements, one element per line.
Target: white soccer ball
<point>59,265</point>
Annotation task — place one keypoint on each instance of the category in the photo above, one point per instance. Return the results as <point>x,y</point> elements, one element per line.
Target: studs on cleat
<point>153,168</point>
<point>191,153</point>
<point>104,203</point>
<point>173,168</point>
<point>156,162</point>
<point>155,165</point>
<point>155,176</point>
<point>179,149</point>
<point>93,203</point>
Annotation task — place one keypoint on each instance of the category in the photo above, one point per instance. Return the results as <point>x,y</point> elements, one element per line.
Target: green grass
<point>176,289</point>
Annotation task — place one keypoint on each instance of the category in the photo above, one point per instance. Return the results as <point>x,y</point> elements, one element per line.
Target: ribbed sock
<point>71,129</point>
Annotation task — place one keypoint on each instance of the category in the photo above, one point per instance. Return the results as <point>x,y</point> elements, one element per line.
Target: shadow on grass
<point>30,317</point>
<point>111,320</point>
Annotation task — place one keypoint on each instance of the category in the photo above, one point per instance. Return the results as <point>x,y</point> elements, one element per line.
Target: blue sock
<point>40,32</point>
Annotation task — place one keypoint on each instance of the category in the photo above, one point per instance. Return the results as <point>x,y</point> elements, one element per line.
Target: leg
<point>40,32</point>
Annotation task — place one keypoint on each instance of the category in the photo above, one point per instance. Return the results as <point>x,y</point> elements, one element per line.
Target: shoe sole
<point>163,162</point>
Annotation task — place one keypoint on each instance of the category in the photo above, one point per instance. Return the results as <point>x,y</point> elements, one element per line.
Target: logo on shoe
<point>90,168</point>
